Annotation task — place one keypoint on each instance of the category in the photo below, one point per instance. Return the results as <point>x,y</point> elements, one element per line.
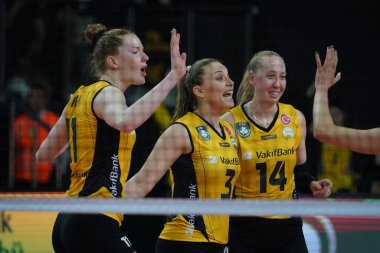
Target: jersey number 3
<point>230,174</point>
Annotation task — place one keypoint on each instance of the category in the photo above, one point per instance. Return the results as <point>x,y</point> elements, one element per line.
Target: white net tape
<point>165,206</point>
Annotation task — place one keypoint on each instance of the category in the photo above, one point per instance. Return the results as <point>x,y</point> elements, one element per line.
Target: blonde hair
<point>245,91</point>
<point>105,42</point>
<point>186,100</point>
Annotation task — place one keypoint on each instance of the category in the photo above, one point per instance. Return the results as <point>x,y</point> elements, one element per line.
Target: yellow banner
<point>26,232</point>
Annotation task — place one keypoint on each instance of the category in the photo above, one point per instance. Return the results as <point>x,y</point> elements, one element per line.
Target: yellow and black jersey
<point>267,155</point>
<point>208,172</point>
<point>100,155</point>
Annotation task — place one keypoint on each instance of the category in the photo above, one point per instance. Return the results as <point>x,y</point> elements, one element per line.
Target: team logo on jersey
<point>212,159</point>
<point>285,119</point>
<point>288,132</point>
<point>247,156</point>
<point>227,130</point>
<point>203,132</point>
<point>243,129</point>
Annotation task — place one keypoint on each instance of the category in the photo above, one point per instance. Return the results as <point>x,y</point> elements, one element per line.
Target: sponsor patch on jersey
<point>288,132</point>
<point>224,144</point>
<point>247,156</point>
<point>233,141</point>
<point>285,119</point>
<point>203,132</point>
<point>243,129</point>
<point>212,159</point>
<point>268,137</point>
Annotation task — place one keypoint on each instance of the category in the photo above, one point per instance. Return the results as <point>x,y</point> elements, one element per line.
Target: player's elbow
<point>40,157</point>
<point>320,133</point>
<point>45,154</point>
<point>123,125</point>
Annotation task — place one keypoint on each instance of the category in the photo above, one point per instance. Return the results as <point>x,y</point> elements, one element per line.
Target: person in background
<point>271,137</point>
<point>29,130</point>
<point>99,129</point>
<point>336,162</point>
<point>201,151</point>
<point>325,130</point>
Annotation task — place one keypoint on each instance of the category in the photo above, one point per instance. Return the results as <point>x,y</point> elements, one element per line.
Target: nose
<point>145,57</point>
<point>277,82</point>
<point>230,82</point>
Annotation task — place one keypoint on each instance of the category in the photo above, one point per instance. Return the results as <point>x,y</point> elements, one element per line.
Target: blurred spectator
<point>26,33</point>
<point>29,130</point>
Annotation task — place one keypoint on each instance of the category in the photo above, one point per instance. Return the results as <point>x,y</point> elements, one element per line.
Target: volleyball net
<point>330,225</point>
<point>166,206</point>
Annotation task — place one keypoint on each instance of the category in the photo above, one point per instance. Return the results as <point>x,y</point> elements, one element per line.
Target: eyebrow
<point>216,72</point>
<point>136,47</point>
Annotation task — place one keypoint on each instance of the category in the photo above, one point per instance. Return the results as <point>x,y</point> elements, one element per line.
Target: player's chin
<point>140,81</point>
<point>229,102</point>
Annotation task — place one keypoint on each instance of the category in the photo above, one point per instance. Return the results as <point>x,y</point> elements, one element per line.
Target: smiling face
<point>217,87</point>
<point>131,60</point>
<point>270,80</point>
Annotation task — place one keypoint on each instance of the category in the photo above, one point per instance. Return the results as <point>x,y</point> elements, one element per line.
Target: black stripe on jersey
<point>188,132</point>
<point>105,170</point>
<point>221,135</point>
<point>185,186</point>
<point>257,125</point>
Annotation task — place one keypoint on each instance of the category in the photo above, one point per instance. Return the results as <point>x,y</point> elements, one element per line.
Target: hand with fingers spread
<point>325,76</point>
<point>324,129</point>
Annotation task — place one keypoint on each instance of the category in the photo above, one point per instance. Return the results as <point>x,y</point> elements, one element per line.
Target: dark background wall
<point>229,30</point>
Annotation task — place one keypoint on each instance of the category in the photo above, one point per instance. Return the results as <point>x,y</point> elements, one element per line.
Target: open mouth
<point>143,70</point>
<point>228,94</point>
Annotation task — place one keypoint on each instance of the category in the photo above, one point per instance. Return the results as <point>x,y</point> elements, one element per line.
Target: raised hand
<point>325,75</point>
<point>178,60</point>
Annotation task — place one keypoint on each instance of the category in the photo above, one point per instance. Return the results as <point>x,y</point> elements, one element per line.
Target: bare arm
<point>174,142</point>
<point>363,141</point>
<point>55,143</point>
<point>301,150</point>
<point>319,188</point>
<point>127,119</point>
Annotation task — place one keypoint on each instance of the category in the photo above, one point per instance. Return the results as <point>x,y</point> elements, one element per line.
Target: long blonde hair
<point>245,91</point>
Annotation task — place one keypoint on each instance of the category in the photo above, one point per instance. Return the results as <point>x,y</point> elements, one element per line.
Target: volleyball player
<point>271,137</point>
<point>200,148</point>
<point>99,128</point>
<point>324,128</point>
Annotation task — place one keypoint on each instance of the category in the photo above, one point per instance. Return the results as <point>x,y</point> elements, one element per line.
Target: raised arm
<point>174,142</point>
<point>110,105</point>
<point>324,129</point>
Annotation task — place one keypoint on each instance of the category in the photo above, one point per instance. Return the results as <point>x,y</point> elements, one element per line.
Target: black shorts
<point>168,246</point>
<point>89,233</point>
<point>260,235</point>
